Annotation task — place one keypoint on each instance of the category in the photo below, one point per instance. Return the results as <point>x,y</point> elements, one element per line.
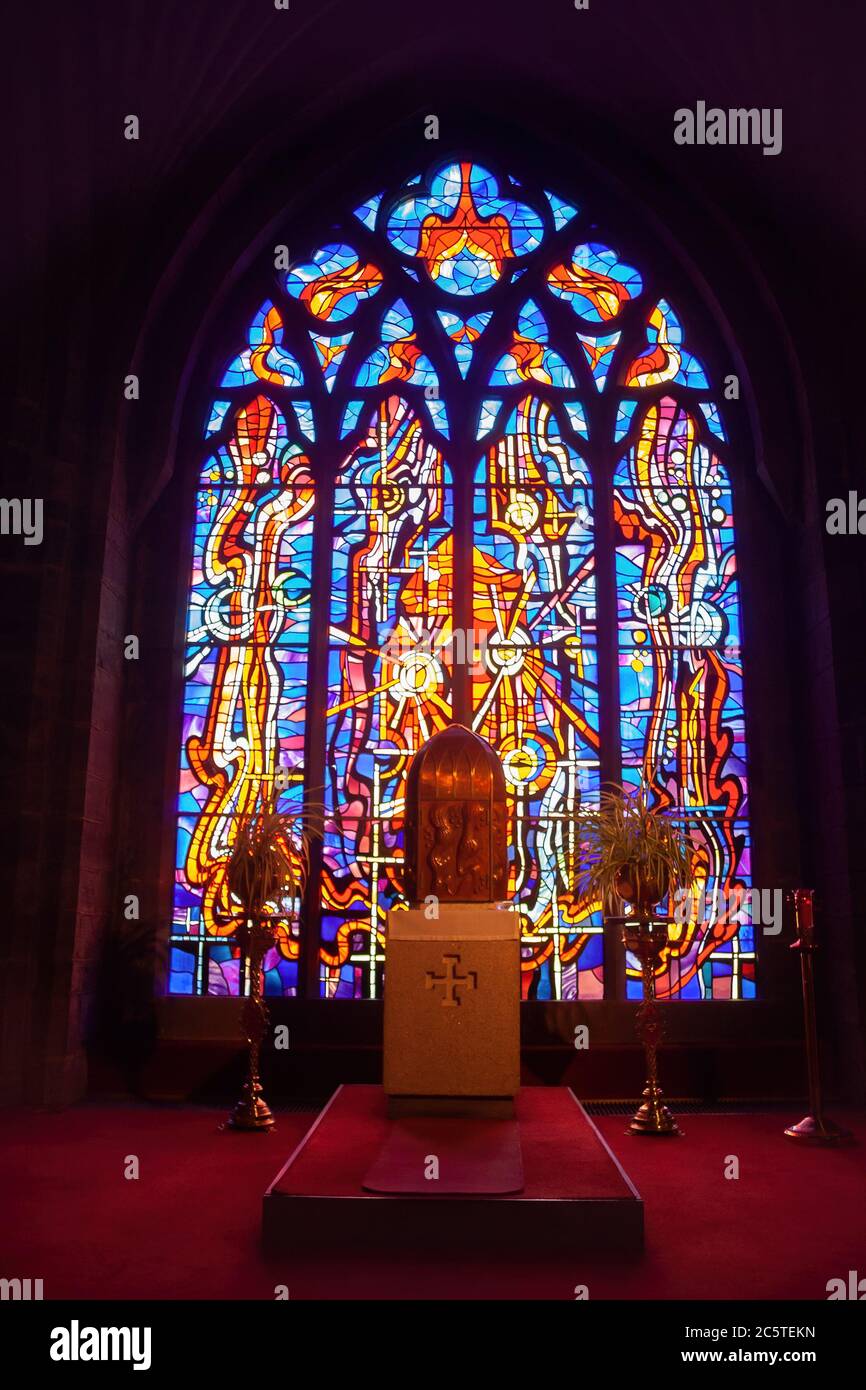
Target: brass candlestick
<point>815,1128</point>
<point>647,937</point>
<point>252,1111</point>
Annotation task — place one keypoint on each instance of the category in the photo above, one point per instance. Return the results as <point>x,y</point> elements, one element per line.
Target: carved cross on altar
<point>451,981</point>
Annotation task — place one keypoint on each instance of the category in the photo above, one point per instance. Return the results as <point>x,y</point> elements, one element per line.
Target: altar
<point>450,1149</point>
<point>452,1008</point>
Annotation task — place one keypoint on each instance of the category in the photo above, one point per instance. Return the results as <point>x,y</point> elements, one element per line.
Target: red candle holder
<point>814,1128</point>
<point>802,901</point>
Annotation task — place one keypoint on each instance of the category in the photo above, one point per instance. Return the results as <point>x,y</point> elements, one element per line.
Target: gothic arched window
<point>462,466</point>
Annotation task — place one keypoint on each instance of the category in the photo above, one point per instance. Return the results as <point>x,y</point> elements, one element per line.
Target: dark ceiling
<point>95,218</point>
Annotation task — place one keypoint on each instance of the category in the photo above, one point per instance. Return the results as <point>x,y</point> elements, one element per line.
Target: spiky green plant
<point>270,860</point>
<point>626,848</point>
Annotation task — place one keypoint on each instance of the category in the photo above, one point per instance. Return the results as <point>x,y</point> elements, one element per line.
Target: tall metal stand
<point>646,936</point>
<point>815,1128</point>
<point>252,1112</point>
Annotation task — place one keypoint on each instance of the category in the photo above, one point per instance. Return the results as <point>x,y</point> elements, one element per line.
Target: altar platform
<point>575,1194</point>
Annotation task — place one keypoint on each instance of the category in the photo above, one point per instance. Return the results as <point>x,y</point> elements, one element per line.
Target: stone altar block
<point>452,1005</point>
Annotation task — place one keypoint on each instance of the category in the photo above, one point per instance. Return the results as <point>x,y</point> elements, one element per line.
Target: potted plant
<point>266,876</point>
<point>631,850</point>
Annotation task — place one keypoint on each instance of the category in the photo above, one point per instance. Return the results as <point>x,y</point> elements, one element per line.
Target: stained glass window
<point>389,679</point>
<point>462,466</point>
<point>535,688</point>
<point>248,630</point>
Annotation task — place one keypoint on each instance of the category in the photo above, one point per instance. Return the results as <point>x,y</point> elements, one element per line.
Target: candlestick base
<point>818,1131</point>
<point>647,936</point>
<point>252,1112</point>
<point>653,1117</point>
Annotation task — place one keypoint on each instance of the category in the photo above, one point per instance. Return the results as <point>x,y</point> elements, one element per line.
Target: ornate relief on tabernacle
<point>456,820</point>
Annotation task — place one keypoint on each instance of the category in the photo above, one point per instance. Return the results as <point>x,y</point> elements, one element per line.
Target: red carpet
<point>472,1157</point>
<point>188,1227</point>
<point>362,1128</point>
